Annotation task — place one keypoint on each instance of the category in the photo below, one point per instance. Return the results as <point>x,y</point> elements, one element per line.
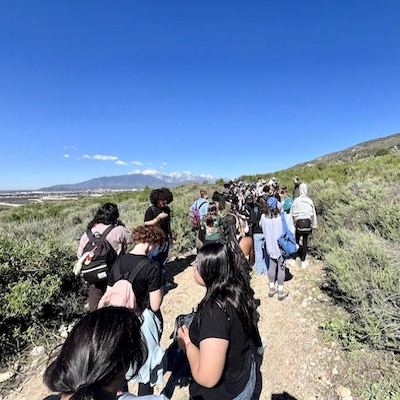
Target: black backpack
<point>100,258</point>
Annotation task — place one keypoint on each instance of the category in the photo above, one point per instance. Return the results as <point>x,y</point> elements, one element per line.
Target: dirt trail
<point>296,365</point>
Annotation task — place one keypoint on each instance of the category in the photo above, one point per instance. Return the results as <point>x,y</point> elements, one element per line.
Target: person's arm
<point>82,243</point>
<point>150,220</point>
<point>155,299</point>
<point>206,362</point>
<point>290,224</point>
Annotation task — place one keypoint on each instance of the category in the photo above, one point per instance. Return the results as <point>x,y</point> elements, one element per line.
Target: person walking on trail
<point>296,187</point>
<point>217,343</point>
<point>147,280</point>
<point>271,224</point>
<point>305,220</point>
<point>119,237</point>
<point>201,204</point>
<point>261,256</point>
<point>98,352</point>
<point>159,213</point>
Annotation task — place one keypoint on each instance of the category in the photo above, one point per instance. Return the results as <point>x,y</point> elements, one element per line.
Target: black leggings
<point>302,252</point>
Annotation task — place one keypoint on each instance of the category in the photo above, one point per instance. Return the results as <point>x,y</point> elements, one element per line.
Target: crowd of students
<point>249,205</point>
<point>238,230</point>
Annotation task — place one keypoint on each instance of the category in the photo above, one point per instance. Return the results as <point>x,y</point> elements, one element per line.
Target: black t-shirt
<point>235,376</point>
<point>255,216</point>
<point>149,279</point>
<point>152,213</point>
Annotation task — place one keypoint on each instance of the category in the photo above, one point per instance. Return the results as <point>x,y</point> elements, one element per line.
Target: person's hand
<point>162,215</point>
<point>183,337</point>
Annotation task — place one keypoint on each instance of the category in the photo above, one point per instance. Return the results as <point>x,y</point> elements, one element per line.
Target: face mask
<point>154,253</point>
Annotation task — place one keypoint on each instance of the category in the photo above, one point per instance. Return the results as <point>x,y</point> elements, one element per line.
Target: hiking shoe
<point>304,264</point>
<point>291,262</point>
<point>260,350</point>
<point>282,295</point>
<point>272,292</point>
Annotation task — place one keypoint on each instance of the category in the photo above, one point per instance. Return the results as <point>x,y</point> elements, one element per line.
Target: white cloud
<point>164,163</point>
<point>105,158</point>
<point>69,147</point>
<point>101,157</point>
<point>66,155</point>
<point>120,162</point>
<point>136,162</point>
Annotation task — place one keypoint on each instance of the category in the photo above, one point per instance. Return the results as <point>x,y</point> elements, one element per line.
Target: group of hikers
<point>119,339</point>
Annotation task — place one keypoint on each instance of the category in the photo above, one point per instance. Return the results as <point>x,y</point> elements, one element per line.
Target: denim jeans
<point>248,390</point>
<point>261,255</point>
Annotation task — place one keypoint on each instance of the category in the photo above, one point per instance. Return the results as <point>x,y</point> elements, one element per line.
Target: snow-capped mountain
<point>175,177</point>
<point>134,180</point>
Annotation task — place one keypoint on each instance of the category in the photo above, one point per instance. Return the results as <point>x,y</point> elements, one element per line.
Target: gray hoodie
<point>303,207</point>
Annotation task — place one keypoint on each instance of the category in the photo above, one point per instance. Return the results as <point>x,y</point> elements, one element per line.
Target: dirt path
<point>296,365</point>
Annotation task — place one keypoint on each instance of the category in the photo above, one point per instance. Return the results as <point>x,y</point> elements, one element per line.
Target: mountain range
<point>134,180</point>
<point>153,179</point>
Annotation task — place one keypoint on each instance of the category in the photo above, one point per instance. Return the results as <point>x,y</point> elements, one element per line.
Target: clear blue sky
<point>92,88</point>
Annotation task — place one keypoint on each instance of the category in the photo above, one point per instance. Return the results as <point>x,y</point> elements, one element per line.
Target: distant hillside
<point>132,181</point>
<point>381,146</point>
<point>364,159</point>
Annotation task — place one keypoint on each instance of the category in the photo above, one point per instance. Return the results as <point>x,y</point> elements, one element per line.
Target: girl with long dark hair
<point>96,355</point>
<point>217,344</point>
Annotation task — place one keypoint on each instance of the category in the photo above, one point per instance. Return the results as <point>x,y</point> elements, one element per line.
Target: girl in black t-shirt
<point>218,342</point>
<point>159,214</point>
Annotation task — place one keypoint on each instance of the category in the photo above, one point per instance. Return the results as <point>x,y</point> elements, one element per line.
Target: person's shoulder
<point>122,229</point>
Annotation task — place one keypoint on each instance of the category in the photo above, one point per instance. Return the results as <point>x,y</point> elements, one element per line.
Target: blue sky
<point>92,88</point>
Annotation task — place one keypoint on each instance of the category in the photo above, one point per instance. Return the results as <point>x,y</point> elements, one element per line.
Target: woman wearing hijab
<point>305,220</point>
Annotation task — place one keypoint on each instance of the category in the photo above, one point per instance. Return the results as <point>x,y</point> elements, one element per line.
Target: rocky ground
<point>297,363</point>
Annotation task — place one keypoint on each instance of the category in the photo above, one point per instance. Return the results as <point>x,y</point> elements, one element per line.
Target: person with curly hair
<point>147,286</point>
<point>217,343</point>
<point>96,355</point>
<point>119,237</point>
<point>159,214</point>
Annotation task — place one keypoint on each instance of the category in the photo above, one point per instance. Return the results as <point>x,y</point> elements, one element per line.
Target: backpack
<point>287,242</point>
<point>194,216</point>
<point>121,294</point>
<point>99,257</point>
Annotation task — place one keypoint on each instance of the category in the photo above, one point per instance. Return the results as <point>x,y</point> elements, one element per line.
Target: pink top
<point>119,237</point>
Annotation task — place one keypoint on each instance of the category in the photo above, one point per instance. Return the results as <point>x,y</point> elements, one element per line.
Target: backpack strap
<point>131,275</point>
<point>201,205</point>
<point>90,234</point>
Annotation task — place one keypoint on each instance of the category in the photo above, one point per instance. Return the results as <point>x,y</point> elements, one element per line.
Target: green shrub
<point>382,152</point>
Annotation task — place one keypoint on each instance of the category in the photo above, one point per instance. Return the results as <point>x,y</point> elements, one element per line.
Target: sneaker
<point>291,262</point>
<point>260,350</point>
<point>272,292</point>
<point>282,295</point>
<point>304,264</point>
